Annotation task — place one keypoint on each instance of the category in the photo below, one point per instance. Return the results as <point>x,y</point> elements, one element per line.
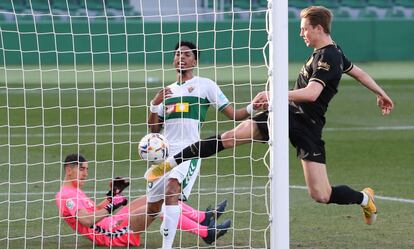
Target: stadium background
<point>77,83</point>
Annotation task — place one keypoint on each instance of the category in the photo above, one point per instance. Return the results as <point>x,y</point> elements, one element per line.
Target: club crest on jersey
<point>70,204</point>
<point>190,89</point>
<point>323,65</point>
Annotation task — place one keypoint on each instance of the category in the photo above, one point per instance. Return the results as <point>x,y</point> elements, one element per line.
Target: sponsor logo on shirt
<point>323,65</point>
<point>178,107</point>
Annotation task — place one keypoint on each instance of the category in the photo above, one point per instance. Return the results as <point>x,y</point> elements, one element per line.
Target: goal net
<point>78,77</point>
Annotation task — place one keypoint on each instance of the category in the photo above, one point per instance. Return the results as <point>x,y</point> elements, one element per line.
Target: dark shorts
<point>304,134</point>
<point>261,121</point>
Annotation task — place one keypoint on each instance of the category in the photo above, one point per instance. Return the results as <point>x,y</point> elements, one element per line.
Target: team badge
<point>90,204</point>
<point>70,204</point>
<point>190,89</point>
<point>323,65</point>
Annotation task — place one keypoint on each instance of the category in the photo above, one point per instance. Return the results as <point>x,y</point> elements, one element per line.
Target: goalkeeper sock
<point>169,227</point>
<point>187,224</point>
<point>365,199</point>
<point>193,214</point>
<point>202,149</point>
<point>344,195</point>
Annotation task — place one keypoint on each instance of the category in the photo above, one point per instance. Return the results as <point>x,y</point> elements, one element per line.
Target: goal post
<point>278,124</point>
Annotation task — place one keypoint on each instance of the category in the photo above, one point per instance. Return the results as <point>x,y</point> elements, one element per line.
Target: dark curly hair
<point>191,45</point>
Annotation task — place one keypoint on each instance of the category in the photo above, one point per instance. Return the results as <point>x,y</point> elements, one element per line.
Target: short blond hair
<point>318,15</point>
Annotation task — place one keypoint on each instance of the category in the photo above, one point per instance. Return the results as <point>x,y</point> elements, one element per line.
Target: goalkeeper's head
<point>76,170</point>
<point>185,57</point>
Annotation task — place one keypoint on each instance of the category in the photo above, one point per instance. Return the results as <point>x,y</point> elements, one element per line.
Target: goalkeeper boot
<point>214,213</point>
<point>157,170</point>
<point>215,232</point>
<point>369,210</point>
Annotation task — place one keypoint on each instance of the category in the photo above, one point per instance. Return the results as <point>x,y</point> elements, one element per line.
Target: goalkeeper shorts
<point>114,231</point>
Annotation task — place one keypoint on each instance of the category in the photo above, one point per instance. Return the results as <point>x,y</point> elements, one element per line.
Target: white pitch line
<point>374,128</point>
<point>98,134</point>
<point>207,190</point>
<point>387,198</point>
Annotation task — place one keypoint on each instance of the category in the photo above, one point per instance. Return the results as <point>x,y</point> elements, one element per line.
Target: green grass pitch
<point>102,115</point>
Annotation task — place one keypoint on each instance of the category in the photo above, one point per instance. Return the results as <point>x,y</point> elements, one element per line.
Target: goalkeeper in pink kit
<point>100,223</point>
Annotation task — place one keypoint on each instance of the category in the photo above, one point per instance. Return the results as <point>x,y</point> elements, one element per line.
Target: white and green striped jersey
<point>186,108</point>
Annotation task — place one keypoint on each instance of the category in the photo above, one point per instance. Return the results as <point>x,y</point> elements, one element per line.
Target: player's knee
<point>154,209</point>
<point>172,191</point>
<point>227,138</point>
<point>319,197</point>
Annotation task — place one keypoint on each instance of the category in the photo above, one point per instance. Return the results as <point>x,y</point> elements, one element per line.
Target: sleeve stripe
<point>349,68</point>
<point>224,106</point>
<point>317,80</point>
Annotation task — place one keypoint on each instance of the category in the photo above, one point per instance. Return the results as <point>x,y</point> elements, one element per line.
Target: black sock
<point>201,149</point>
<point>344,195</point>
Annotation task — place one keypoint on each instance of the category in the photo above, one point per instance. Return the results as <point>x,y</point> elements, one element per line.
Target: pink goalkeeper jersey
<point>69,200</point>
<point>109,232</point>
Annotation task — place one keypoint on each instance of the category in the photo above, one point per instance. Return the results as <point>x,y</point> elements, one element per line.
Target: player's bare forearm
<point>241,114</point>
<point>384,102</point>
<point>365,79</point>
<point>233,114</point>
<point>154,124</point>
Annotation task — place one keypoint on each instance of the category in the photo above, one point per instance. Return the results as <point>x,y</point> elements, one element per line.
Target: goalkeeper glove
<point>116,202</point>
<point>116,186</point>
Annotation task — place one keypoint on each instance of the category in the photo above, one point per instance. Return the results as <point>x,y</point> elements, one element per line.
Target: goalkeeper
<point>316,85</point>
<point>100,224</point>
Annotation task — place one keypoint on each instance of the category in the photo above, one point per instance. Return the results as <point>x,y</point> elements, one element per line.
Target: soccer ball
<point>153,148</point>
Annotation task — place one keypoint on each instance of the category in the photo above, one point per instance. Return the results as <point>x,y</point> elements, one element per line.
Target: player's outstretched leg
<point>369,210</point>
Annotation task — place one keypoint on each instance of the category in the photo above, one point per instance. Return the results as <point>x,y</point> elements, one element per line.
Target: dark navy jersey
<point>325,66</point>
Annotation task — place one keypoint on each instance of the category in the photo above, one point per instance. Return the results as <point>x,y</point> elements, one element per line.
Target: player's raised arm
<point>154,122</point>
<point>384,102</point>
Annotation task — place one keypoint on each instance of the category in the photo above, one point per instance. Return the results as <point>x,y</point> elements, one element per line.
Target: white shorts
<point>186,173</point>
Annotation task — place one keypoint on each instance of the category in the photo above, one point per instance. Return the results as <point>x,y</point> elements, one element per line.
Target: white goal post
<point>279,155</point>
